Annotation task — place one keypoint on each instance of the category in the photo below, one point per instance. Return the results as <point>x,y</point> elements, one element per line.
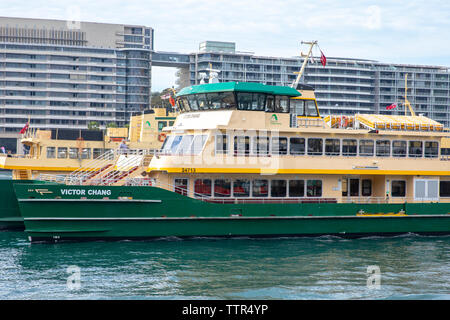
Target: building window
<point>314,188</point>
<point>366,148</point>
<point>315,146</point>
<point>444,189</point>
<point>349,147</point>
<point>332,147</point>
<point>62,153</point>
<point>261,145</point>
<point>297,146</point>
<point>260,188</point>
<point>278,188</point>
<point>202,187</point>
<point>181,186</point>
<point>431,149</point>
<point>399,149</point>
<point>296,188</point>
<point>415,149</point>
<point>222,188</point>
<point>366,188</point>
<point>398,188</point>
<point>279,145</point>
<point>383,148</point>
<point>241,188</point>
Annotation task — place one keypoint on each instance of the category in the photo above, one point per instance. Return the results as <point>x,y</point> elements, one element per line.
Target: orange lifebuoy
<point>161,137</point>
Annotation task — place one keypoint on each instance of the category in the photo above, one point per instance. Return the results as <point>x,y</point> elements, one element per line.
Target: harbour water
<point>410,267</point>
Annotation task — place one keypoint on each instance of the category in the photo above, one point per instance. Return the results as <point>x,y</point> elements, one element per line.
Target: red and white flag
<point>392,106</point>
<point>323,59</point>
<point>25,128</point>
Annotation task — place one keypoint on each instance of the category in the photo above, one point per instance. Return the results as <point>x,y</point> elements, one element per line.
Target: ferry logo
<point>43,191</point>
<point>148,122</point>
<point>274,119</point>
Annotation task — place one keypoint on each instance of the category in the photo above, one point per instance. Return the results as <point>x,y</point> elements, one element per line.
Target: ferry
<point>57,153</point>
<point>248,159</point>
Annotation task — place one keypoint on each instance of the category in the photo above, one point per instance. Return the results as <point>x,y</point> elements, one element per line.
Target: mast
<point>299,75</point>
<point>407,104</point>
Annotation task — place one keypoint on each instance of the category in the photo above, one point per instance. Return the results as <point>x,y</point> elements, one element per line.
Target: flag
<point>24,129</point>
<point>323,59</point>
<point>172,101</point>
<point>392,106</point>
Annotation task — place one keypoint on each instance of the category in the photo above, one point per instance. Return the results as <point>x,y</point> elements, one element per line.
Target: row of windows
<point>263,145</point>
<point>245,188</point>
<point>247,101</point>
<point>187,144</point>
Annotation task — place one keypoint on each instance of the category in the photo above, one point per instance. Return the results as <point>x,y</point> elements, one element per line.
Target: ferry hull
<point>10,218</point>
<point>85,213</point>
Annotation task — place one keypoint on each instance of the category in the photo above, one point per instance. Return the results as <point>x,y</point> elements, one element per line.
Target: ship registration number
<point>188,170</point>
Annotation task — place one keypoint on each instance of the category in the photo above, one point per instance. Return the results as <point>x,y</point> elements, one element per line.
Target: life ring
<point>161,137</point>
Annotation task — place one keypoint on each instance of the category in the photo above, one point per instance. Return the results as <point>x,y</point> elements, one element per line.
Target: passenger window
<point>366,148</point>
<point>297,146</point>
<point>315,146</point>
<point>260,188</point>
<point>314,188</point>
<point>383,148</point>
<point>181,186</point>
<point>241,188</point>
<point>202,187</point>
<point>431,149</point>
<point>349,147</point>
<point>261,145</point>
<point>279,145</point>
<point>278,188</point>
<point>399,148</point>
<point>222,188</point>
<point>332,147</point>
<point>241,145</point>
<point>415,149</point>
<point>296,188</point>
<point>51,152</point>
<point>221,144</point>
<point>398,188</point>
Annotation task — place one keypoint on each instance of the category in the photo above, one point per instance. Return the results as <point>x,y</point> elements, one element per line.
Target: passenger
<point>123,148</point>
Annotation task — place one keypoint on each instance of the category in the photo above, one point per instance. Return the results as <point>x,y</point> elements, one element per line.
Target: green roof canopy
<point>239,86</point>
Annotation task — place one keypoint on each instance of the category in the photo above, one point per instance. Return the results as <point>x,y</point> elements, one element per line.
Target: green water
<point>411,267</point>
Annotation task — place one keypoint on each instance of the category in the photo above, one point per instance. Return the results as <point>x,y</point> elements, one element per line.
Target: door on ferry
<point>350,187</point>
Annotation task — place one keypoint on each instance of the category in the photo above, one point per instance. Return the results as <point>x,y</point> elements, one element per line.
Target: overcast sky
<point>410,32</point>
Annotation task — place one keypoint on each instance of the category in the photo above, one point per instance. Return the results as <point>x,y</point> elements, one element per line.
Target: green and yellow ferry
<point>248,159</point>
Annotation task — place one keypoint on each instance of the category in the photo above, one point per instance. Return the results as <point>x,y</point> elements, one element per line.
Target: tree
<point>111,125</point>
<point>93,125</point>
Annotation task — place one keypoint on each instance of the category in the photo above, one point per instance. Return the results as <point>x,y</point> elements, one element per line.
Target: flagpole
<point>297,80</point>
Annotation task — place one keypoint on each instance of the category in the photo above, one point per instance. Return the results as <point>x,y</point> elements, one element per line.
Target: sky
<point>408,32</point>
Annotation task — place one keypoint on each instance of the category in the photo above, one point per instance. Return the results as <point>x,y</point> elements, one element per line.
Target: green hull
<point>10,218</point>
<point>95,212</point>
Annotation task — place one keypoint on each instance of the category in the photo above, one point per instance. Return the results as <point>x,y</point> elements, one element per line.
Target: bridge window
<point>192,100</point>
<point>314,188</point>
<point>332,147</point>
<point>251,101</point>
<point>296,188</point>
<point>202,187</point>
<point>222,188</point>
<point>260,188</point>
<point>297,146</point>
<point>398,188</point>
<point>279,145</point>
<point>298,107</point>
<point>383,148</point>
<point>366,148</point>
<point>431,149</point>
<point>415,149</point>
<point>310,108</point>
<point>241,188</point>
<point>281,104</point>
<point>184,146</point>
<point>399,149</point>
<point>51,152</point>
<point>315,146</point>
<point>349,147</point>
<point>270,104</point>
<point>198,143</point>
<point>261,145</point>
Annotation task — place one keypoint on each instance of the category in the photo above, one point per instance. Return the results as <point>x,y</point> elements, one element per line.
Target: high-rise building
<point>343,86</point>
<point>63,74</point>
